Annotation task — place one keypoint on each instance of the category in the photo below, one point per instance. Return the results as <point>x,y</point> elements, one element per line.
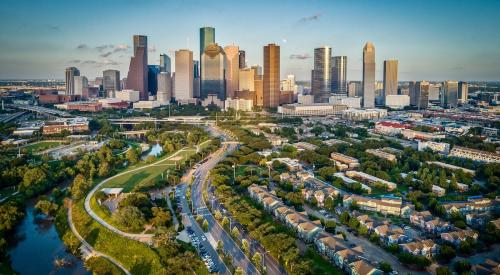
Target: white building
<point>397,101</point>
<point>81,86</point>
<point>475,155</point>
<point>128,95</point>
<point>239,104</point>
<point>305,99</point>
<point>146,104</point>
<point>357,114</point>
<point>164,94</point>
<point>351,102</point>
<point>319,109</point>
<point>440,147</point>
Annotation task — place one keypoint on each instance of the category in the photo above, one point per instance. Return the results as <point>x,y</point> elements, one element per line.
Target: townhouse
<point>475,204</point>
<point>384,205</point>
<point>456,237</point>
<point>370,179</point>
<point>426,248</point>
<point>362,267</point>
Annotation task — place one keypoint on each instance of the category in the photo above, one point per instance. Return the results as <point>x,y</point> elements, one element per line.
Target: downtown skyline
<point>428,45</point>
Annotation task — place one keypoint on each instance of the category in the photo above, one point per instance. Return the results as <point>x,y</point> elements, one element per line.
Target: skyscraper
<point>153,71</point>
<point>242,60</point>
<point>463,92</point>
<point>164,94</point>
<point>184,74</point>
<point>321,75</point>
<point>213,72</point>
<point>111,80</point>
<point>246,79</point>
<point>137,78</point>
<point>449,95</point>
<point>196,79</point>
<point>390,78</point>
<point>71,72</point>
<point>369,75</point>
<point>419,94</point>
<point>271,80</point>
<point>81,86</point>
<point>165,63</point>
<point>339,74</point>
<point>207,36</point>
<point>232,69</point>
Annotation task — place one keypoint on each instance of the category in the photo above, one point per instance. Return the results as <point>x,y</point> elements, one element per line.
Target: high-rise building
<point>390,78</point>
<point>164,94</point>
<point>339,74</point>
<point>137,78</point>
<point>207,37</point>
<point>463,92</point>
<point>81,86</point>
<point>449,94</point>
<point>321,84</point>
<point>246,79</point>
<point>111,80</point>
<point>232,69</point>
<point>71,72</point>
<point>153,72</point>
<point>165,64</point>
<point>213,72</point>
<point>184,75</point>
<point>288,84</point>
<point>196,79</point>
<point>271,79</point>
<point>419,94</point>
<point>242,60</point>
<point>355,89</point>
<point>369,75</point>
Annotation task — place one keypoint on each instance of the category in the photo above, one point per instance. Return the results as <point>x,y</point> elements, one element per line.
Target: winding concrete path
<point>145,238</point>
<point>90,247</point>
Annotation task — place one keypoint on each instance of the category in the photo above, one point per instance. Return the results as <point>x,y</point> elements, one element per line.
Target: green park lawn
<point>137,257</point>
<point>41,146</point>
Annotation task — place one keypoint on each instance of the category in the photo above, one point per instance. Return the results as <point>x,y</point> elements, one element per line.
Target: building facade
<point>369,75</point>
<point>165,64</point>
<point>271,79</point>
<point>463,92</point>
<point>71,72</point>
<point>184,75</point>
<point>111,80</point>
<point>449,94</point>
<point>321,74</point>
<point>339,75</point>
<point>232,71</point>
<point>137,78</point>
<point>390,78</point>
<point>213,72</point>
<point>164,94</point>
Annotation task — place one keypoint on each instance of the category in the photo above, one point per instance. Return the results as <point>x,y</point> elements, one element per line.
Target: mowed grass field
<point>41,146</point>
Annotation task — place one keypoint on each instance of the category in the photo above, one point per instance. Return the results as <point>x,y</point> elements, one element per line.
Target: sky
<point>433,40</point>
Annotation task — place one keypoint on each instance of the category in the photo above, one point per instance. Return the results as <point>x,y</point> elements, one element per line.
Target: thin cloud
<point>53,27</point>
<point>300,56</point>
<point>104,47</point>
<point>89,62</point>
<point>75,61</point>
<point>82,47</point>
<point>310,18</point>
<point>121,48</point>
<point>106,54</point>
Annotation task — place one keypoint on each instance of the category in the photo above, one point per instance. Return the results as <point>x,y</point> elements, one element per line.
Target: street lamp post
<point>263,256</point>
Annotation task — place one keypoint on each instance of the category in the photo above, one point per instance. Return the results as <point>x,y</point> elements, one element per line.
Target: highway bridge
<point>40,110</point>
<point>195,120</point>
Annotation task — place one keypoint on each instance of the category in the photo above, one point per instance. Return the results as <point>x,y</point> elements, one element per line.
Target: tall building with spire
<point>271,79</point>
<point>137,78</point>
<point>213,72</point>
<point>70,73</point>
<point>321,83</point>
<point>339,75</point>
<point>390,78</point>
<point>369,75</point>
<point>232,69</point>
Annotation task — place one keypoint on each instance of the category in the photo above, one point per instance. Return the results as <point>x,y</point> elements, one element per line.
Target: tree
<point>204,226</point>
<point>330,203</point>
<point>130,217</point>
<point>160,217</point>
<point>33,180</point>
<point>239,271</point>
<point>104,169</point>
<point>344,217</point>
<point>235,232</point>
<point>132,156</point>
<point>46,207</point>
<point>446,253</point>
<point>220,246</point>
<point>218,214</point>
<point>225,223</point>
<point>257,260</point>
<point>330,226</point>
<point>385,267</point>
<point>462,266</point>
<point>79,187</point>
<point>443,270</point>
<point>245,246</point>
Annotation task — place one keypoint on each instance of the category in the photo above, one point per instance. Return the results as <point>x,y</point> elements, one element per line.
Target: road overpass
<point>40,110</point>
<point>195,120</point>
